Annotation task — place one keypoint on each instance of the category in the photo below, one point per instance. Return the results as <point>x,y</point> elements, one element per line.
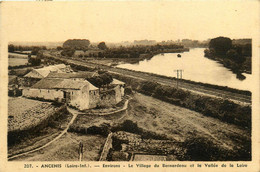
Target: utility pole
<point>179,76</point>
<point>80,151</point>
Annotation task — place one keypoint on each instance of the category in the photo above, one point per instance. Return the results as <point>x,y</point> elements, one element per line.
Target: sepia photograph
<point>130,81</point>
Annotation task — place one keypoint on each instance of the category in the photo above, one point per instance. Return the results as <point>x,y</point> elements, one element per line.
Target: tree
<point>35,61</point>
<point>11,48</point>
<point>35,50</point>
<point>235,56</point>
<point>77,44</point>
<point>59,48</point>
<point>102,46</point>
<point>68,52</point>
<point>221,45</point>
<point>101,80</point>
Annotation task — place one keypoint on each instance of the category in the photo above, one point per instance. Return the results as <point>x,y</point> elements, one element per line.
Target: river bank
<point>238,69</point>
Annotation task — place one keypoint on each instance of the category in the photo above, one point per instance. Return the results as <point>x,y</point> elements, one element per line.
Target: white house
<point>77,93</point>
<point>45,71</point>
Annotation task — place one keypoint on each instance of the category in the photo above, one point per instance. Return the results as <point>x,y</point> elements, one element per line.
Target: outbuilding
<point>45,71</point>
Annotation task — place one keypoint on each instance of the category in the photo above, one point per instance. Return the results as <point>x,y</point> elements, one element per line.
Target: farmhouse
<point>109,95</point>
<point>75,90</point>
<point>45,71</point>
<point>77,93</point>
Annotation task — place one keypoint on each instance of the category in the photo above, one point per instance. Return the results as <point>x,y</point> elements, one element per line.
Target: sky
<point>128,21</point>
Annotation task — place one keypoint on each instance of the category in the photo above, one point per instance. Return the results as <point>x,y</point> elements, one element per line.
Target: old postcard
<point>127,85</point>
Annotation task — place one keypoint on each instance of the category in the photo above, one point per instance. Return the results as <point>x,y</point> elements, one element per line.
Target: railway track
<point>193,87</point>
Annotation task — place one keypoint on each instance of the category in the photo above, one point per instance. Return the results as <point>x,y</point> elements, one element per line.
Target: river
<point>195,67</point>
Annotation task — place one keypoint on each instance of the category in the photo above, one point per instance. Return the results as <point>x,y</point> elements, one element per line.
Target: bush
<point>201,149</point>
<point>103,129</point>
<point>68,52</point>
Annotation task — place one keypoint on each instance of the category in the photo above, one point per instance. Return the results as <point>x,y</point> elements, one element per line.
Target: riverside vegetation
<point>235,55</point>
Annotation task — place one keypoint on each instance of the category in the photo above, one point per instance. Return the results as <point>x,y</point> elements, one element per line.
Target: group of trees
<point>35,60</point>
<point>34,49</point>
<point>136,51</point>
<point>133,51</point>
<point>223,47</point>
<point>101,80</point>
<point>68,52</point>
<point>77,44</point>
<point>70,46</point>
<point>230,52</point>
<point>102,46</point>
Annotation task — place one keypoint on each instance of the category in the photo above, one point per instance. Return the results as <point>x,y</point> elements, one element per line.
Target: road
<point>191,86</point>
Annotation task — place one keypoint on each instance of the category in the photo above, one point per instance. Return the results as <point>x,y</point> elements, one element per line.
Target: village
<point>63,111</point>
<point>57,94</point>
<point>60,84</point>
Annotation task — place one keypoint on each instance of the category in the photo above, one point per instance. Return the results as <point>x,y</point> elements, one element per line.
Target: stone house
<point>77,93</point>
<point>110,95</point>
<point>75,90</point>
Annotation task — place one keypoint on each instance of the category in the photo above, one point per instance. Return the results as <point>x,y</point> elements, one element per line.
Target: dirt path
<point>75,114</point>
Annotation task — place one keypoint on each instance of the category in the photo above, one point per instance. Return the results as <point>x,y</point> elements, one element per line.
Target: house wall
<point>110,97</point>
<point>122,88</point>
<point>47,94</point>
<point>80,98</point>
<point>118,94</point>
<point>94,98</point>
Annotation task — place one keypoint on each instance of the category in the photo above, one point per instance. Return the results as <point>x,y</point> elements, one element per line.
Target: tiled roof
<point>43,72</point>
<point>72,75</point>
<point>58,83</point>
<point>117,82</point>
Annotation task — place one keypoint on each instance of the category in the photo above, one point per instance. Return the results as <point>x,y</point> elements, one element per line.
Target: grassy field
<point>17,61</point>
<point>16,55</point>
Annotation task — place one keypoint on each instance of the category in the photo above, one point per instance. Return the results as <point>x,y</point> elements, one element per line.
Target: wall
<point>107,98</point>
<point>47,94</point>
<point>118,94</point>
<point>122,90</point>
<point>94,98</point>
<point>80,98</point>
<point>110,97</point>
